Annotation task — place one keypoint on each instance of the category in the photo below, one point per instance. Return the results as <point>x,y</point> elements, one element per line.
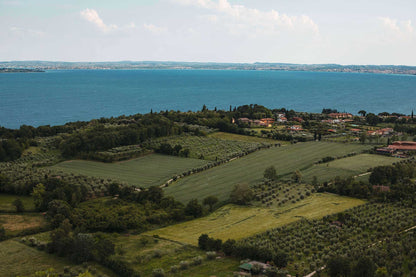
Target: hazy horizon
<point>220,31</point>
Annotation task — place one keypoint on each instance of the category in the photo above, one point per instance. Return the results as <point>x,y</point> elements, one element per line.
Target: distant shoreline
<point>20,70</point>
<point>41,66</point>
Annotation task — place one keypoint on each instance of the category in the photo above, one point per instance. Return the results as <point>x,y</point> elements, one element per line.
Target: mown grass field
<point>145,171</point>
<point>18,259</point>
<point>145,253</point>
<point>350,166</point>
<point>230,136</point>
<point>238,222</point>
<point>219,181</point>
<point>13,223</point>
<point>6,202</point>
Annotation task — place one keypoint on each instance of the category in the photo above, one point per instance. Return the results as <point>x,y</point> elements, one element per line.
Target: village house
<point>295,128</point>
<point>268,121</point>
<point>340,115</point>
<point>247,267</point>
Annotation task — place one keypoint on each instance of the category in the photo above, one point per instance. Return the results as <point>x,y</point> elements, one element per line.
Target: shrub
<point>184,265</point>
<point>196,260</point>
<point>211,255</point>
<point>174,268</point>
<point>158,272</point>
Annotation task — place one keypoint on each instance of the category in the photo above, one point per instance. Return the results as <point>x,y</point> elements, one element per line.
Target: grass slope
<point>144,254</point>
<point>19,259</point>
<point>13,223</point>
<point>238,222</point>
<point>220,180</point>
<point>230,136</point>
<point>6,202</point>
<point>350,166</point>
<point>145,171</point>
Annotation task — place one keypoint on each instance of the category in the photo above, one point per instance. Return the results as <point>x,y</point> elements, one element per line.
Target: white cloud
<point>240,17</point>
<point>399,27</point>
<point>92,16</point>
<point>154,29</point>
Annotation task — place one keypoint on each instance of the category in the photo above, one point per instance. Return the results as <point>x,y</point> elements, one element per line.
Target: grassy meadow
<point>6,202</point>
<point>145,253</point>
<point>14,223</point>
<point>145,171</point>
<point>238,222</point>
<point>19,259</point>
<point>350,166</point>
<point>219,181</point>
<point>230,136</point>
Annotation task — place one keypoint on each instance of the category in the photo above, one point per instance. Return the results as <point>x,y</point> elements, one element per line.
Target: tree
<point>297,176</point>
<point>228,247</point>
<point>113,189</point>
<point>241,194</point>
<point>338,267</point>
<point>38,195</point>
<point>364,267</point>
<point>270,173</point>
<point>363,137</point>
<point>193,208</point>
<point>2,233</point>
<point>210,201</point>
<point>362,112</point>
<point>203,241</point>
<point>18,205</point>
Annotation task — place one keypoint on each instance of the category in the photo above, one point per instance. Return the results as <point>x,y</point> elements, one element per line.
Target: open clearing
<point>350,166</point>
<point>145,253</point>
<point>13,223</point>
<point>219,181</point>
<point>230,136</point>
<point>145,171</point>
<point>19,259</point>
<point>237,222</point>
<point>6,202</point>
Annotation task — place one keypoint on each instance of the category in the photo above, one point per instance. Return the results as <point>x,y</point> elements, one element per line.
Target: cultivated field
<point>145,171</point>
<point>13,223</point>
<point>212,148</point>
<point>350,166</point>
<point>6,202</point>
<point>220,180</point>
<point>17,259</point>
<point>230,136</point>
<point>237,222</point>
<point>145,253</point>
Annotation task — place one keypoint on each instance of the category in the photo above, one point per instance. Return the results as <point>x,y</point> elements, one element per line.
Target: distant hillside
<point>47,65</point>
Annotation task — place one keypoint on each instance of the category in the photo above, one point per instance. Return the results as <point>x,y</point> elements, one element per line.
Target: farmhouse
<point>340,115</point>
<point>403,146</point>
<point>247,267</point>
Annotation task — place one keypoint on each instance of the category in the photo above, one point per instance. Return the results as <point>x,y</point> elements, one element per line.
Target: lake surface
<point>57,97</point>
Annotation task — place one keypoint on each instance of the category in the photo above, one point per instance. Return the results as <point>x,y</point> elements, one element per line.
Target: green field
<point>6,202</point>
<point>237,222</point>
<point>19,259</point>
<point>346,167</point>
<point>211,148</point>
<point>230,136</point>
<point>145,171</point>
<point>145,253</point>
<point>220,180</point>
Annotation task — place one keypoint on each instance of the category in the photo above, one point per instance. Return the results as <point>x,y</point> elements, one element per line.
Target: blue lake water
<point>57,97</point>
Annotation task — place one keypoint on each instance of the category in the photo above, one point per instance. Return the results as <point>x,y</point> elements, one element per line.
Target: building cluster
<point>398,148</point>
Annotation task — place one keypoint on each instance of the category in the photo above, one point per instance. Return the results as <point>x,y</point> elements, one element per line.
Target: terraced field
<point>145,171</point>
<point>220,180</point>
<point>350,166</point>
<point>237,222</point>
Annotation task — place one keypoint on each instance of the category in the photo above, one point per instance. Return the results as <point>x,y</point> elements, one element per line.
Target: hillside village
<point>251,191</point>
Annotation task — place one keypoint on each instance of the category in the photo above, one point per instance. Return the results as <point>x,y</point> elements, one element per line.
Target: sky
<point>287,31</point>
